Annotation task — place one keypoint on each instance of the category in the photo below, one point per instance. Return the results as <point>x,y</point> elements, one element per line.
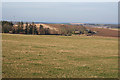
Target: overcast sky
<point>82,12</point>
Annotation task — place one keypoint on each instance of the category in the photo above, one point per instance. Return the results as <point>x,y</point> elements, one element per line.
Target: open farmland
<point>51,56</point>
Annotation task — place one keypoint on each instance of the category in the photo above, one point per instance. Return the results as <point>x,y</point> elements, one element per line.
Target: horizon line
<point>60,22</point>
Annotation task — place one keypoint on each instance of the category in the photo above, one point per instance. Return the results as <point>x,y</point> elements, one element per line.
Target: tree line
<point>30,29</point>
<point>7,27</point>
<point>26,28</point>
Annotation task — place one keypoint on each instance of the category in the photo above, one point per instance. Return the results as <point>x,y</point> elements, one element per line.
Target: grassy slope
<point>50,56</point>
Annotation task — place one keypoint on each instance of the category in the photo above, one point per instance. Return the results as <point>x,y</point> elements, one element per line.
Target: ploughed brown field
<point>105,32</point>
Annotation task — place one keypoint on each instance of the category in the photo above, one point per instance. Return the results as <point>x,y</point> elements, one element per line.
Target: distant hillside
<point>97,25</point>
<point>99,31</point>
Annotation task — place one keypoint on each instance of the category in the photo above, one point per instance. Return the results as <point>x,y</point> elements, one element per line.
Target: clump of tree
<point>6,26</point>
<point>26,28</point>
<point>76,30</point>
<point>66,31</point>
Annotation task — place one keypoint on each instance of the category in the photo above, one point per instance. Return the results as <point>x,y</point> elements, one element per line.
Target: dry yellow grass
<point>50,56</point>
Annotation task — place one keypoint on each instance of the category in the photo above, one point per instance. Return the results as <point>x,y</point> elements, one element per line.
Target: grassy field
<point>51,56</point>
